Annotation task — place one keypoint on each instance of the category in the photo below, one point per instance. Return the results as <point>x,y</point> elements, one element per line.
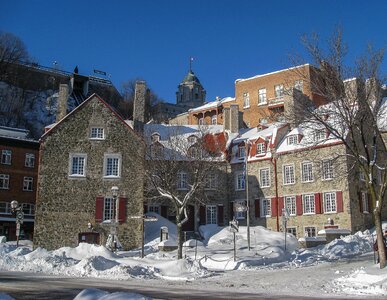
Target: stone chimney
<point>235,118</point>
<point>63,98</point>
<point>139,106</point>
<point>226,118</point>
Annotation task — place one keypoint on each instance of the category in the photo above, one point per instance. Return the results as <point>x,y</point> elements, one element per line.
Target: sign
<point>234,226</point>
<point>100,72</point>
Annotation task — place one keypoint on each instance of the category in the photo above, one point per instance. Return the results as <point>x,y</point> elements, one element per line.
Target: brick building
<point>82,157</point>
<point>18,177</point>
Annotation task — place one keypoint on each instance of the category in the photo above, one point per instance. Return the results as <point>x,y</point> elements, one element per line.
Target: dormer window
<point>192,139</point>
<point>319,135</point>
<point>292,139</point>
<point>213,120</point>
<point>261,148</point>
<point>155,137</point>
<point>241,151</point>
<point>97,133</point>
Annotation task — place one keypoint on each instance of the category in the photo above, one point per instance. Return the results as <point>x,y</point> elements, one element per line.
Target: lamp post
<point>247,193</point>
<point>19,217</point>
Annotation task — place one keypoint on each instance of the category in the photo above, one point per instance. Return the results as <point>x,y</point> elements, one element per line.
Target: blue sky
<point>153,40</point>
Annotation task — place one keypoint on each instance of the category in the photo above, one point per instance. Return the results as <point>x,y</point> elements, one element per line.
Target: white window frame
<point>265,208</point>
<point>97,133</point>
<point>262,96</point>
<point>319,135</point>
<point>4,179</point>
<point>109,208</point>
<point>279,91</point>
<point>288,174</point>
<point>299,85</point>
<point>211,181</point>
<point>241,151</point>
<point>28,209</point>
<point>112,156</point>
<point>154,208</point>
<point>214,120</point>
<point>7,210</point>
<point>264,177</point>
<point>246,100</point>
<point>330,202</point>
<point>28,183</point>
<point>310,231</point>
<point>211,214</point>
<point>327,171</point>
<point>308,204</point>
<point>292,230</point>
<point>364,201</point>
<point>292,139</point>
<point>290,205</point>
<point>240,181</point>
<point>29,161</point>
<point>81,172</point>
<point>240,215</point>
<point>307,172</point>
<point>6,157</point>
<point>182,180</point>
<point>261,148</point>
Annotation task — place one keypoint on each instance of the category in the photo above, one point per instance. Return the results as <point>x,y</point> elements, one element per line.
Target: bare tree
<point>179,163</point>
<point>355,113</point>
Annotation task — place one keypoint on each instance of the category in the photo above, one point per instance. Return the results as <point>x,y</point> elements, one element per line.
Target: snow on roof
<point>212,104</point>
<point>271,73</point>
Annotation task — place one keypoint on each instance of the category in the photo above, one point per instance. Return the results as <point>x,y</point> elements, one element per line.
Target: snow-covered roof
<point>15,134</point>
<point>212,104</point>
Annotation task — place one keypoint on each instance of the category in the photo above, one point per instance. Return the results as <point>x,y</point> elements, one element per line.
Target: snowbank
<point>96,294</point>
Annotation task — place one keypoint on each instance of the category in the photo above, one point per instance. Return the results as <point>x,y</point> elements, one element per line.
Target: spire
<point>190,64</point>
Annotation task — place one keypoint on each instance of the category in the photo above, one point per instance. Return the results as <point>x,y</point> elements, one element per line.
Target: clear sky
<point>153,40</point>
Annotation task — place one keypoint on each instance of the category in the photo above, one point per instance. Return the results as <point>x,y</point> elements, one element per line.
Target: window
<point>211,217</point>
<point>5,208</point>
<point>109,209</point>
<point>182,183</point>
<point>290,204</point>
<point>261,149</point>
<point>112,165</point>
<point>241,151</point>
<point>213,120</point>
<point>310,231</point>
<point>279,91</point>
<point>262,96</point>
<point>239,214</point>
<point>28,209</point>
<point>292,139</point>
<point>77,165</point>
<point>327,169</point>
<point>154,208</point>
<point>264,177</point>
<point>364,202</point>
<point>299,85</point>
<point>329,202</point>
<point>289,174</point>
<point>240,181</point>
<point>4,181</point>
<point>307,172</point>
<point>97,133</point>
<point>155,137</point>
<point>192,139</point>
<point>211,181</point>
<point>246,100</point>
<point>27,184</point>
<point>29,160</point>
<point>319,135</point>
<point>265,208</point>
<point>308,204</point>
<point>6,157</point>
<point>292,230</point>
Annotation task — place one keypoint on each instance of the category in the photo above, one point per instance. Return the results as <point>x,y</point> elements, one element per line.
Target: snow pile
<point>96,294</point>
<point>152,229</point>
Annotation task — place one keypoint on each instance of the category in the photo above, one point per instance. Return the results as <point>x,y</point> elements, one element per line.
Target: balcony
<point>276,102</point>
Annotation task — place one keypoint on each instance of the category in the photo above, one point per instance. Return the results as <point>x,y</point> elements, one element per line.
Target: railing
<point>276,101</point>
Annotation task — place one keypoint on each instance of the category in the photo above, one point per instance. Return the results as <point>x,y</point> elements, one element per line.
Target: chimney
<point>235,120</point>
<point>139,106</point>
<point>63,97</point>
<point>226,118</point>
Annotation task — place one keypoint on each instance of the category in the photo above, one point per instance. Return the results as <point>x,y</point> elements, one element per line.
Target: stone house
<point>18,177</point>
<point>83,156</point>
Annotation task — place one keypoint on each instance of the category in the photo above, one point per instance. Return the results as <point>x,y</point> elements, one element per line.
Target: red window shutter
<point>339,201</point>
<point>122,209</point>
<point>99,209</point>
<point>257,208</point>
<point>220,215</point>
<point>299,205</point>
<point>280,204</point>
<point>360,203</point>
<point>317,203</point>
<point>202,214</point>
<point>164,211</point>
<point>274,207</point>
<point>253,150</point>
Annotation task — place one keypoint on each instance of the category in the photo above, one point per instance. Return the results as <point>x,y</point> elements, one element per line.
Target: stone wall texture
<point>65,205</point>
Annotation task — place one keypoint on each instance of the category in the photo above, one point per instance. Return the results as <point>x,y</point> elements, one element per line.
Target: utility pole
<point>247,193</point>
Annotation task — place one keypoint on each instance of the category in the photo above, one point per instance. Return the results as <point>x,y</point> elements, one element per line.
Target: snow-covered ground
<point>211,263</point>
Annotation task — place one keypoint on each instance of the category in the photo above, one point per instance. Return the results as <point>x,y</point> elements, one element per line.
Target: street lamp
<point>18,210</point>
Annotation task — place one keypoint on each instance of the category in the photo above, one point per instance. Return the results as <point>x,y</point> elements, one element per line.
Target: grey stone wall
<point>65,205</point>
